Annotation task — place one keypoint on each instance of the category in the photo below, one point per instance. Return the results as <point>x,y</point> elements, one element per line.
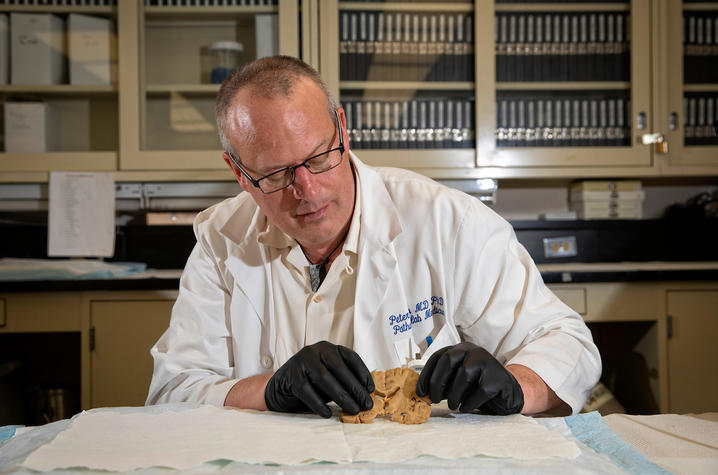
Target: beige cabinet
<point>678,344</point>
<point>582,110</point>
<point>394,65</point>
<point>72,124</point>
<point>157,113</point>
<point>39,312</point>
<point>672,325</point>
<point>555,89</point>
<point>112,333</point>
<point>169,80</point>
<point>692,350</point>
<point>121,335</point>
<point>687,96</point>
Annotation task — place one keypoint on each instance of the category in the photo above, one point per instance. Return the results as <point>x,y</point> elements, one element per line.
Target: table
<point>677,443</point>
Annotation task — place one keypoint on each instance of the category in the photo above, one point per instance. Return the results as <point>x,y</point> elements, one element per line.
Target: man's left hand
<point>470,378</point>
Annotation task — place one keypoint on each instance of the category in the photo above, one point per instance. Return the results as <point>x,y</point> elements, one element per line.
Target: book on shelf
<point>266,34</point>
<point>91,47</point>
<point>700,47</point>
<point>606,186</point>
<point>422,123</point>
<point>546,119</point>
<point>37,49</point>
<point>607,199</point>
<point>25,127</point>
<point>402,46</point>
<point>4,49</point>
<point>700,116</point>
<point>571,46</point>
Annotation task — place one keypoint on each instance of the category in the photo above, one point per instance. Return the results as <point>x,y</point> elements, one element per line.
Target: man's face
<point>269,134</point>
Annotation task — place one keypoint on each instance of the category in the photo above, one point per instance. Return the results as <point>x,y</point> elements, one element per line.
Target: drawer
<point>574,297</point>
<point>40,312</point>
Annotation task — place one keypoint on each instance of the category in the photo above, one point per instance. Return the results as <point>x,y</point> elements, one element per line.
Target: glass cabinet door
<point>404,73</point>
<point>690,121</point>
<point>572,86</point>
<point>513,88</point>
<point>184,50</point>
<point>58,87</point>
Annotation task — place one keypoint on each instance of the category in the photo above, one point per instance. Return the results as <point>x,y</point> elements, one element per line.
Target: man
<point>326,268</point>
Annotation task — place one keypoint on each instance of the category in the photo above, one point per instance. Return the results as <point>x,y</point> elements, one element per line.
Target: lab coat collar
<point>380,219</point>
<point>377,269</point>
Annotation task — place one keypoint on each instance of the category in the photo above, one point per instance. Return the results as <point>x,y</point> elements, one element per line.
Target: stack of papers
<point>621,199</point>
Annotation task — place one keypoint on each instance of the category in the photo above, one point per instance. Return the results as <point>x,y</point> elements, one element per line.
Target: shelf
<point>158,89</point>
<point>416,159</point>
<point>71,161</point>
<point>563,7</point>
<point>106,10</point>
<point>407,7</point>
<point>700,87</point>
<point>700,6</point>
<point>574,86</point>
<point>205,13</point>
<point>59,89</point>
<point>404,85</point>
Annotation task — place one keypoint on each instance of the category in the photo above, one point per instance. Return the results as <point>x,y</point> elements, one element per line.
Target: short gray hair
<point>269,77</point>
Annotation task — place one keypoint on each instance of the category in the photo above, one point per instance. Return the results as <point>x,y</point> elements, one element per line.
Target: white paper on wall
<point>81,217</point>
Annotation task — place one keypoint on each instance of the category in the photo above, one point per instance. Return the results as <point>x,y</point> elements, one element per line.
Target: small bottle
<point>226,58</point>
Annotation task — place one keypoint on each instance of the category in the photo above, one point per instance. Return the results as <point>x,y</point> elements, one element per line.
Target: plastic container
<point>225,59</point>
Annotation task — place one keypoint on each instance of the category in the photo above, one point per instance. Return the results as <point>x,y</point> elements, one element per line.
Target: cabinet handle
<point>641,121</point>
<point>673,121</point>
<point>659,140</point>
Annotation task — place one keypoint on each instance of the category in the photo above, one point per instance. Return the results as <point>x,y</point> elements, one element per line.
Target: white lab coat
<point>433,262</point>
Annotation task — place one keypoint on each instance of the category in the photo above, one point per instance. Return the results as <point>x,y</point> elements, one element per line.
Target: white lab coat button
<point>266,361</point>
<point>317,298</point>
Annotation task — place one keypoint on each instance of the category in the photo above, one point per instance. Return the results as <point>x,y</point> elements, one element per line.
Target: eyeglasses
<point>284,177</point>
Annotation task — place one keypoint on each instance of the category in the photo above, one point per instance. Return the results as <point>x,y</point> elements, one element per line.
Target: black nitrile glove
<point>470,376</point>
<point>317,374</point>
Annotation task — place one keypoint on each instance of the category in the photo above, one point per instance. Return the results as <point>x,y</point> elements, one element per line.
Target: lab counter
<point>168,279</point>
<point>162,279</point>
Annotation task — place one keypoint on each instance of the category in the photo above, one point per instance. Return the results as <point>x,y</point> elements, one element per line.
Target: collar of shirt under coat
<point>274,237</point>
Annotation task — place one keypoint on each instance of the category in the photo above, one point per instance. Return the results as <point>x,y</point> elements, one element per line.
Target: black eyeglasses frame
<point>293,169</point>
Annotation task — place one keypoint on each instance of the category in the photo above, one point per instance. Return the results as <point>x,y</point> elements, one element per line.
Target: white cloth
<point>433,262</point>
<point>679,443</point>
<point>122,442</point>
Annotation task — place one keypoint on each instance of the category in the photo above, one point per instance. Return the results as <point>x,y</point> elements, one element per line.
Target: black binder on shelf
<point>554,61</point>
<point>343,46</point>
<point>352,47</point>
<point>500,45</point>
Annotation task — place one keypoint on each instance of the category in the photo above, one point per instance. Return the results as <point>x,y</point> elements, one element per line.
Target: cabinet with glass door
<point>500,89</point>
<point>404,72</point>
<point>177,54</point>
<point>571,95</point>
<point>58,87</point>
<point>689,117</point>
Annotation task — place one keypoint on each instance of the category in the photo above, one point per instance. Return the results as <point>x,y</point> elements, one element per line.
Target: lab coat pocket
<point>446,335</point>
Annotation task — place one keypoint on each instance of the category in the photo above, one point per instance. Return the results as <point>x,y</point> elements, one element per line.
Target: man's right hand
<point>317,374</point>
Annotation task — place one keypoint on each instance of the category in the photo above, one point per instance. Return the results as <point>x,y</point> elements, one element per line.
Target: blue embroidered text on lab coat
<point>423,310</point>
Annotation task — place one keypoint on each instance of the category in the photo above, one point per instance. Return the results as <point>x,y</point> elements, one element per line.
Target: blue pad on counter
<point>592,430</point>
